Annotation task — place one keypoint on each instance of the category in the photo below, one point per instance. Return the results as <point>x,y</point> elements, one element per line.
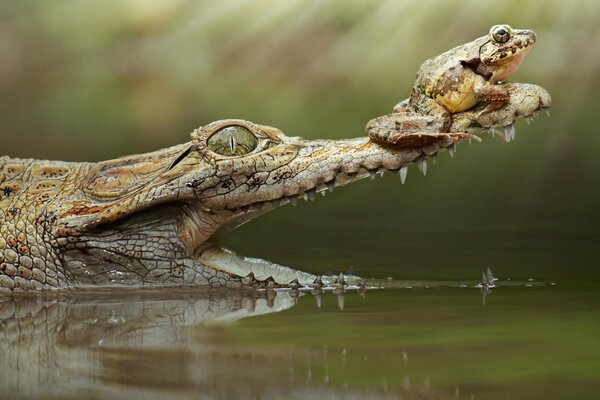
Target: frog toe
<point>422,139</point>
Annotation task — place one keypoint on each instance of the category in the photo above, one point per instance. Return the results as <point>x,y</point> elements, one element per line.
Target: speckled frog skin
<point>456,81</point>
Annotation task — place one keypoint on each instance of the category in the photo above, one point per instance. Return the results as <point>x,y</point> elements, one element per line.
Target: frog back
<point>446,80</point>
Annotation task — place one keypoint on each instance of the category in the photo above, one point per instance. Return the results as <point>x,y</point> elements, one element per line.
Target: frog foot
<point>411,130</point>
<point>525,101</point>
<point>421,139</point>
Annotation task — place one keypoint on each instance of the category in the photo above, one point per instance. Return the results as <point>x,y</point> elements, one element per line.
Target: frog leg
<point>402,106</point>
<point>496,96</point>
<point>413,123</point>
<point>525,100</point>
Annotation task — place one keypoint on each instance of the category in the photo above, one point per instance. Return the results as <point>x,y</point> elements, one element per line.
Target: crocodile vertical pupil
<point>233,140</point>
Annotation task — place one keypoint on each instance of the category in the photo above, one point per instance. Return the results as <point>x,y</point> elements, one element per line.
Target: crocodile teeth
<point>318,282</point>
<point>295,284</point>
<point>275,203</point>
<point>372,173</point>
<point>318,300</point>
<point>434,159</point>
<point>422,164</point>
<point>248,279</point>
<point>403,173</point>
<point>311,194</point>
<point>452,150</point>
<point>293,200</point>
<point>340,301</point>
<point>528,120</point>
<point>547,111</point>
<point>340,280</point>
<point>330,185</point>
<point>270,282</point>
<point>509,132</point>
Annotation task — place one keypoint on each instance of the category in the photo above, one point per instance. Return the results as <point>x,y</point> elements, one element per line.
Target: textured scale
<point>30,196</point>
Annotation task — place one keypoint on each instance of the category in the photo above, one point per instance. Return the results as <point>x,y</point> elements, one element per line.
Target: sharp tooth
<point>422,164</point>
<point>294,284</point>
<point>340,280</point>
<point>403,172</point>
<point>318,282</point>
<point>323,193</point>
<point>372,173</point>
<point>275,203</point>
<point>293,200</point>
<point>509,132</point>
<point>493,131</point>
<point>547,111</point>
<point>434,159</point>
<point>528,120</point>
<point>311,194</point>
<point>330,185</point>
<point>340,301</point>
<point>245,208</point>
<point>452,150</point>
<point>469,140</point>
<point>318,300</point>
<point>248,279</point>
<point>270,282</point>
<point>321,187</point>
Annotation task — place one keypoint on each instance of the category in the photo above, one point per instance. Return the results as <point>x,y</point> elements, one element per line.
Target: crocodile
<point>151,219</point>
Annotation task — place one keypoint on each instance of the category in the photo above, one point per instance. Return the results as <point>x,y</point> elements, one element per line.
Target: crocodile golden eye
<point>501,33</point>
<point>234,140</point>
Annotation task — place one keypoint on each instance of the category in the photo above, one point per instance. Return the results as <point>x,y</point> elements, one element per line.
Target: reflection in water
<point>104,342</point>
<point>146,344</point>
<point>404,343</point>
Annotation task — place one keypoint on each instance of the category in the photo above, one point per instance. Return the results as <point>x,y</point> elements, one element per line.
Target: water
<point>526,342</point>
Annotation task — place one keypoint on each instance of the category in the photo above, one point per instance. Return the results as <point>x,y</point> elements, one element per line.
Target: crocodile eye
<point>234,140</point>
<point>501,33</point>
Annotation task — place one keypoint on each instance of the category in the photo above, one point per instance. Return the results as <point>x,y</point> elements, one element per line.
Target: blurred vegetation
<point>88,80</point>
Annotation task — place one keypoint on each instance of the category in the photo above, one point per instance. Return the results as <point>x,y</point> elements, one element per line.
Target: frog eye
<point>233,140</point>
<point>501,33</point>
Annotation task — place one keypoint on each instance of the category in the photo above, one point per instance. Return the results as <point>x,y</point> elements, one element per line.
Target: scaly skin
<point>150,219</point>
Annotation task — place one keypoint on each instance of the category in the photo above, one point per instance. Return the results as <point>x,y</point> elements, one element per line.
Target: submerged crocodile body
<point>150,219</point>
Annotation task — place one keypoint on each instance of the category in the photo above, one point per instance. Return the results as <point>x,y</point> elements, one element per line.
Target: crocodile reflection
<point>153,344</point>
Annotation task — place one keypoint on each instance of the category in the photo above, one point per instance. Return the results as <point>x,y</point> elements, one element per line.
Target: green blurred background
<point>90,80</point>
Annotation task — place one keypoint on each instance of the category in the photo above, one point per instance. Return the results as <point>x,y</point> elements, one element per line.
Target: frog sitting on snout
<point>453,82</point>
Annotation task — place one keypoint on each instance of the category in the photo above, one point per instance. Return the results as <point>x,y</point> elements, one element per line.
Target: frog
<point>453,82</point>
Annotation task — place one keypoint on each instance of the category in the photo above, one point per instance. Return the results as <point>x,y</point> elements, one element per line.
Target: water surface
<point>525,342</point>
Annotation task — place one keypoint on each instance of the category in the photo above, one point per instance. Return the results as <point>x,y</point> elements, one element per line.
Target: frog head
<point>504,50</point>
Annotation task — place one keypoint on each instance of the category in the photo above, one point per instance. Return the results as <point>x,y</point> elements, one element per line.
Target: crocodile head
<point>152,218</point>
